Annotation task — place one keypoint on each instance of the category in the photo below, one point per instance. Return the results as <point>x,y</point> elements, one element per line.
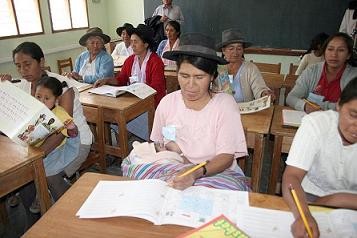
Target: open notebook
<point>191,207</point>
<point>141,90</point>
<point>292,117</point>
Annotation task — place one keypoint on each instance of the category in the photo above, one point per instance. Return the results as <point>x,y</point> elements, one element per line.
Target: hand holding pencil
<point>311,107</point>
<point>187,178</point>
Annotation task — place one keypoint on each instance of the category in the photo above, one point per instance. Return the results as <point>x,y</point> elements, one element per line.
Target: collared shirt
<point>173,12</point>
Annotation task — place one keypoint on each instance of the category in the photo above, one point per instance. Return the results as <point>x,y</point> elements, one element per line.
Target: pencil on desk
<point>193,169</point>
<point>301,212</point>
<point>312,104</point>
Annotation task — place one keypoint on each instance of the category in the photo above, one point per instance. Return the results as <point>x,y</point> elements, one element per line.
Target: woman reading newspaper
<point>192,127</point>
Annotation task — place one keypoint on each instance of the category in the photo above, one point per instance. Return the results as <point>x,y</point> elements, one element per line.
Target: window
<point>20,17</point>
<point>68,14</point>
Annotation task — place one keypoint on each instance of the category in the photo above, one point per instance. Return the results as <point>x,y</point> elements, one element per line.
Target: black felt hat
<point>94,31</point>
<point>127,26</point>
<point>231,36</point>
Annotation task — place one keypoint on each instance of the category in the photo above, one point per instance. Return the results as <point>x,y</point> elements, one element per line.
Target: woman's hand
<point>310,108</point>
<point>4,77</point>
<point>100,82</point>
<point>269,93</point>
<point>73,75</point>
<point>298,228</point>
<point>186,181</point>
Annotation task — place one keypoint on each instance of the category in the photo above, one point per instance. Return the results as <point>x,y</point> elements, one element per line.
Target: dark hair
<point>176,26</point>
<point>53,84</point>
<point>349,93</point>
<point>317,43</point>
<point>206,65</point>
<point>348,40</point>
<point>29,48</point>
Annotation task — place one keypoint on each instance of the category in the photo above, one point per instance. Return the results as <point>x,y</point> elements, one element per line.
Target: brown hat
<point>94,31</point>
<point>127,26</point>
<point>195,44</point>
<point>231,36</point>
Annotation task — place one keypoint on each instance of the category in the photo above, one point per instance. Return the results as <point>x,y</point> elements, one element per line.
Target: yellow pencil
<point>314,105</point>
<point>193,169</point>
<point>302,214</point>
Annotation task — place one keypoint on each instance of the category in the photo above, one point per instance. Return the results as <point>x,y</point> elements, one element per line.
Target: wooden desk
<point>120,110</point>
<point>20,165</point>
<point>60,220</point>
<point>257,125</point>
<point>282,142</point>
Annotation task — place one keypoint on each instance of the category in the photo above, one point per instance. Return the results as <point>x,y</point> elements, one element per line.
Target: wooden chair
<point>275,83</point>
<point>64,64</point>
<point>95,121</point>
<point>288,84</point>
<point>171,82</point>
<point>293,68</point>
<point>269,68</point>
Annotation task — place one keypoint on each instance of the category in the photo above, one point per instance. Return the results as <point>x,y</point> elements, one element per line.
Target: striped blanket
<point>228,179</point>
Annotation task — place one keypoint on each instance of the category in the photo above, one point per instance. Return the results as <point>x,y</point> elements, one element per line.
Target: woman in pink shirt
<point>197,124</point>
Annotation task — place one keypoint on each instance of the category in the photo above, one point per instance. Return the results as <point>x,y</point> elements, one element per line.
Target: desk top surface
<point>60,220</point>
<point>277,127</point>
<point>122,102</point>
<point>14,156</point>
<point>258,122</point>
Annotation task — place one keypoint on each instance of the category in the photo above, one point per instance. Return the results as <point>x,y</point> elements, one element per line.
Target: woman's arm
<point>293,176</point>
<point>104,68</point>
<point>341,200</point>
<point>217,165</point>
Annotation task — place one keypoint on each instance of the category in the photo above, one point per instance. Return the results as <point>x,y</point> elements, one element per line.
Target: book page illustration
<point>255,105</point>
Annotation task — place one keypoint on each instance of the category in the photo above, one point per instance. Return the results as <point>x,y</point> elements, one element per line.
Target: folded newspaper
<point>255,105</point>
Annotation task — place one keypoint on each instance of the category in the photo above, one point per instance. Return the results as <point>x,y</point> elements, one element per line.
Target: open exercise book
<point>141,90</point>
<point>155,201</point>
<point>255,105</point>
<point>292,117</point>
<point>260,222</point>
<point>23,118</point>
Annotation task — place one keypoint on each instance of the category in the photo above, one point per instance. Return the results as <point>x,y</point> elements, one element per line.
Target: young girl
<point>47,90</point>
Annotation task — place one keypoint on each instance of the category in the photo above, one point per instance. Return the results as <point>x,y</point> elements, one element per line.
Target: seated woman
<point>29,60</point>
<point>123,50</point>
<point>192,123</point>
<point>322,83</point>
<point>94,63</point>
<point>173,31</point>
<point>322,162</point>
<point>240,78</point>
<point>314,54</point>
<point>143,66</point>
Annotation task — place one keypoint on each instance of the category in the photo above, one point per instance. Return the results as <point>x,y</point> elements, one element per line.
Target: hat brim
<point>84,38</point>
<point>175,54</point>
<point>223,44</point>
<point>120,30</point>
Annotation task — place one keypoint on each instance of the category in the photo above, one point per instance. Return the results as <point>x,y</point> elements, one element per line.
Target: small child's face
<point>45,96</point>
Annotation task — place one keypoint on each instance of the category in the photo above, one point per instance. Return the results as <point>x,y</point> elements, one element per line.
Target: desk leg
<point>123,135</point>
<point>3,212</point>
<point>275,164</point>
<point>41,185</point>
<point>151,113</point>
<point>257,163</point>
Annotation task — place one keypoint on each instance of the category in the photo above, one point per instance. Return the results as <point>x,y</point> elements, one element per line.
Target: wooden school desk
<point>257,125</point>
<point>120,110</point>
<point>18,166</point>
<point>60,220</point>
<point>283,137</point>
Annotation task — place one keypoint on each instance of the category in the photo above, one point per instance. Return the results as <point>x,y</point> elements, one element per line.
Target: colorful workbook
<point>23,118</point>
<point>141,90</point>
<point>191,207</point>
<point>292,117</point>
<point>220,227</point>
<point>255,105</point>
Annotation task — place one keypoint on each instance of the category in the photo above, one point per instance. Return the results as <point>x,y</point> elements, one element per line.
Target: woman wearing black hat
<point>143,66</point>
<point>240,78</point>
<point>201,126</point>
<point>123,49</point>
<point>94,63</point>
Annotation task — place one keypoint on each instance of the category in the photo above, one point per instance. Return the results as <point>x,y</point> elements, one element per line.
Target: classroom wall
<point>65,44</point>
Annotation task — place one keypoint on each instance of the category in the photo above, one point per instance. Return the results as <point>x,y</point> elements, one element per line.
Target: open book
<point>255,105</point>
<point>192,207</point>
<point>141,90</point>
<point>220,227</point>
<point>23,118</point>
<point>292,117</point>
<point>260,222</point>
